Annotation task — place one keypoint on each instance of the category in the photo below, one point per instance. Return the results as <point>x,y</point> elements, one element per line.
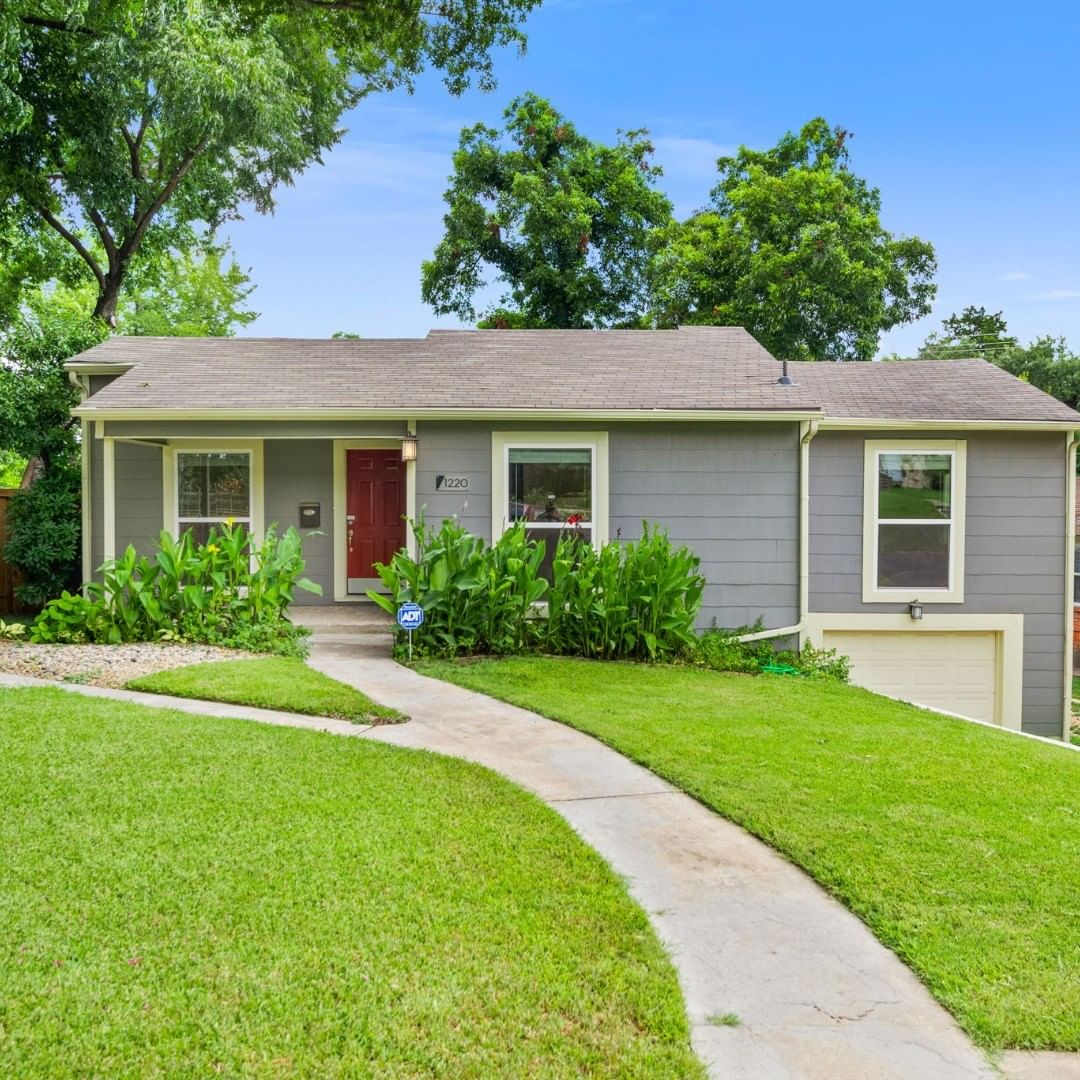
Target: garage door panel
<point>954,671</point>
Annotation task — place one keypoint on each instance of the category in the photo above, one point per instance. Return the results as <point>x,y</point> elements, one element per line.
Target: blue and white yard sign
<point>410,616</point>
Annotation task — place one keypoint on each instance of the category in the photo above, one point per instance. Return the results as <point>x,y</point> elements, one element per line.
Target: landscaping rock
<point>105,665</point>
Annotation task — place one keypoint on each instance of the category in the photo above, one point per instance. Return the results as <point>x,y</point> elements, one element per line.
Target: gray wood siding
<point>1014,548</point>
<point>139,495</point>
<point>462,450</point>
<point>296,471</point>
<point>728,491</point>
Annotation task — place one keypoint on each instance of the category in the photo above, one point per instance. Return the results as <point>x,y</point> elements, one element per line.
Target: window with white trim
<point>553,482</point>
<point>550,488</point>
<point>212,486</point>
<point>914,507</point>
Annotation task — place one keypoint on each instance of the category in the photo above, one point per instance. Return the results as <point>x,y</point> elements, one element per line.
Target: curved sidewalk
<point>817,996</point>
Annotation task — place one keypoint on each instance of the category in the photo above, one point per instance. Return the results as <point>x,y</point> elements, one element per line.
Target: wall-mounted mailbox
<point>310,515</point>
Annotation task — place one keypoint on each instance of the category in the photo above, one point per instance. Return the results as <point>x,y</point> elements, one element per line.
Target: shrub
<point>626,600</point>
<point>723,651</point>
<point>476,598</point>
<point>44,523</point>
<point>226,592</point>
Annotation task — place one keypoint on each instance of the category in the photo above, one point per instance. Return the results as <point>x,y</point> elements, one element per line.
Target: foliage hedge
<point>622,601</point>
<point>228,591</point>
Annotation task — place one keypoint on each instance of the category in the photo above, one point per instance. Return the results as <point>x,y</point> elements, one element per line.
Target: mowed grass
<point>276,682</point>
<point>957,844</point>
<point>186,896</point>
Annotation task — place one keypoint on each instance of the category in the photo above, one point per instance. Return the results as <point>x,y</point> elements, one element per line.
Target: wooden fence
<point>8,603</point>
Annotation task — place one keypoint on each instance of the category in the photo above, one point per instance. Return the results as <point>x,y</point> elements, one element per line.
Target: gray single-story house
<point>917,516</point>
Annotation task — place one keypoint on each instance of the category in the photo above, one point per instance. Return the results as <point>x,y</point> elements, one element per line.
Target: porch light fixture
<point>408,448</point>
<point>915,610</point>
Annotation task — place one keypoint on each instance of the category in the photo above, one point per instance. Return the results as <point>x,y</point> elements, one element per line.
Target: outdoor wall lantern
<point>408,448</point>
<point>915,608</point>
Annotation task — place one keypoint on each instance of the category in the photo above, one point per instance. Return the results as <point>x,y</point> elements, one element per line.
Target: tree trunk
<point>106,302</point>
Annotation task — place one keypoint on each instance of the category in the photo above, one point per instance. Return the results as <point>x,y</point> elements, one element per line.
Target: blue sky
<point>966,116</point>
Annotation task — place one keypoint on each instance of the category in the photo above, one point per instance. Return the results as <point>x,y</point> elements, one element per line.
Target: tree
<point>189,295</point>
<point>36,399</point>
<point>973,333</point>
<point>563,222</point>
<point>128,125</point>
<point>1046,362</point>
<point>792,247</point>
<point>182,294</point>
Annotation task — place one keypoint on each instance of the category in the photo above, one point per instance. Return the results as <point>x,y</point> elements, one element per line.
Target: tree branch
<point>132,242</point>
<point>106,237</point>
<point>48,216</point>
<point>57,24</point>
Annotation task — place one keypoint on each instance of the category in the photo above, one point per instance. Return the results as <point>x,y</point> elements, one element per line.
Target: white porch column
<point>108,488</point>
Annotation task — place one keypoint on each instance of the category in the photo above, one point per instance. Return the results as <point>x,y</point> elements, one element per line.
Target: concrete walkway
<point>818,998</point>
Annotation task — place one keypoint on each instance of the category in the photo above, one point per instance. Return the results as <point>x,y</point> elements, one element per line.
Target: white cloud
<point>1057,294</point>
<point>364,166</point>
<point>688,157</point>
<point>1014,275</point>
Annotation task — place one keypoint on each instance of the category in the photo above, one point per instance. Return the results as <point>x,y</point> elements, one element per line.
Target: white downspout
<point>1072,438</point>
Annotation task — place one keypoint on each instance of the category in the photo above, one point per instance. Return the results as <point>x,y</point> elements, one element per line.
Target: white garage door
<point>952,671</point>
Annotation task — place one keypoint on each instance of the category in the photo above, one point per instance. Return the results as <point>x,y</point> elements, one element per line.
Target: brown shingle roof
<point>927,390</point>
<point>693,368</point>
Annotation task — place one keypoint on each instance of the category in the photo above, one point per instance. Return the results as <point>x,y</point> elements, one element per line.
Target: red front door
<point>376,510</point>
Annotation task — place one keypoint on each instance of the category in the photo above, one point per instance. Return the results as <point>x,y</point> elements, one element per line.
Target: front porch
<point>348,490</point>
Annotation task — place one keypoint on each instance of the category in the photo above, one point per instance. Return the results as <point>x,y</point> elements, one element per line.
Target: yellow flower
<point>212,548</point>
<point>229,521</point>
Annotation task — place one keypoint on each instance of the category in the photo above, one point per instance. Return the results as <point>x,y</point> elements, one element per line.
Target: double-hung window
<point>914,521</point>
<point>551,481</point>
<point>212,486</point>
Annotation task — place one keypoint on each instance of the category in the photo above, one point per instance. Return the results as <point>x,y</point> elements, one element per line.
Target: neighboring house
<point>841,508</point>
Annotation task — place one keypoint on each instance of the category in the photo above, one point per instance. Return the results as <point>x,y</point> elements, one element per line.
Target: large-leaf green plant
<point>635,600</point>
<point>476,598</point>
<point>225,588</point>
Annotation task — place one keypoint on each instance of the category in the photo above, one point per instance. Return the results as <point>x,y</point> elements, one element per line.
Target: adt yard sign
<point>410,617</point>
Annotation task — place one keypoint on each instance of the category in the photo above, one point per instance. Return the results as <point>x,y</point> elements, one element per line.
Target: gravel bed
<point>105,665</point>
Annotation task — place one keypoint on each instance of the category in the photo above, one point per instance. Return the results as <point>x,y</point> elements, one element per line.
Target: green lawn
<point>275,682</point>
<point>186,896</point>
<point>957,844</point>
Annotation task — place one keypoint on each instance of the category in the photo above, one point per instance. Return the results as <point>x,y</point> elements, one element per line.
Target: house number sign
<point>445,482</point>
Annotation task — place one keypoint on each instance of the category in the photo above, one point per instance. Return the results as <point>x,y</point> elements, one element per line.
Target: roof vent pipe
<point>786,379</point>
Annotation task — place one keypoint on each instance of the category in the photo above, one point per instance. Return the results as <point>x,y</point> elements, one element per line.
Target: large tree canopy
<point>128,125</point>
<point>792,247</point>
<point>561,221</point>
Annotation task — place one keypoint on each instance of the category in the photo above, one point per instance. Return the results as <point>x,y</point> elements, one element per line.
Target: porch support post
<point>410,495</point>
<point>85,502</point>
<point>108,489</point>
